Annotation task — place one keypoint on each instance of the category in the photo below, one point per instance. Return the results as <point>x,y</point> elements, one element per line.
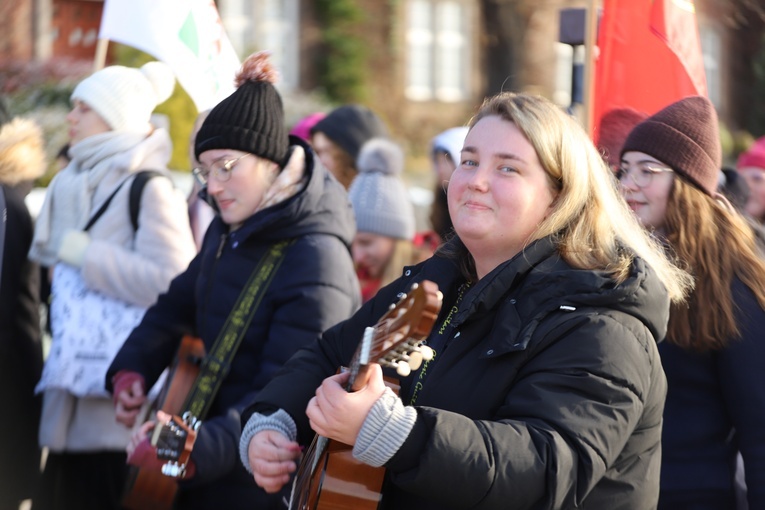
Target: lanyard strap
<point>437,341</point>
<point>218,362</point>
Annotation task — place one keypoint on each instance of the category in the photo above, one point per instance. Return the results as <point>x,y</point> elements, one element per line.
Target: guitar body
<point>338,481</point>
<point>329,477</point>
<point>341,482</point>
<point>148,489</point>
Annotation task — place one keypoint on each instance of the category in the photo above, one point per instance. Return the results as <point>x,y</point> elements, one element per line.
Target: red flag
<point>650,56</point>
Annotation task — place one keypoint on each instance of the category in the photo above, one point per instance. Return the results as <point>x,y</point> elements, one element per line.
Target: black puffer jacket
<point>549,393</point>
<point>21,355</point>
<point>314,288</point>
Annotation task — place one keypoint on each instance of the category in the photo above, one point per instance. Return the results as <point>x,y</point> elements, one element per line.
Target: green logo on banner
<point>189,35</point>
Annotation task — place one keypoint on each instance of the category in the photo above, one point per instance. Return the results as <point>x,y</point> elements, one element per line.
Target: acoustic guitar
<point>329,478</point>
<point>150,489</point>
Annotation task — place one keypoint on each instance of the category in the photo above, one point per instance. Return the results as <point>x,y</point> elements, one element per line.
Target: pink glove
<point>123,380</point>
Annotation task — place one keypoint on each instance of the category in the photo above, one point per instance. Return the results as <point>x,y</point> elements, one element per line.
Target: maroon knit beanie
<point>614,127</point>
<point>685,136</point>
<point>754,156</point>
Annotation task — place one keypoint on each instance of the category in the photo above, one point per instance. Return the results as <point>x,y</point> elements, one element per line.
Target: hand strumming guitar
<point>333,413</point>
<point>273,459</point>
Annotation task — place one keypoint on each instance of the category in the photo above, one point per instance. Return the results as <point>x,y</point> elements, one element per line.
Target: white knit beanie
<point>380,200</point>
<point>125,97</point>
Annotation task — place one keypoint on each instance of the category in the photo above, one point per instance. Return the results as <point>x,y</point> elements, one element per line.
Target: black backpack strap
<point>103,207</point>
<point>136,190</point>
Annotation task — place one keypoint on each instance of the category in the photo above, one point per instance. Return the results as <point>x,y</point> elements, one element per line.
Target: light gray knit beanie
<point>124,96</point>
<point>378,194</point>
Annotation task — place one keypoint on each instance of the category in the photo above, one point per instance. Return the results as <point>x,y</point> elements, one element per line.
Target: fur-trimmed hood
<point>22,153</point>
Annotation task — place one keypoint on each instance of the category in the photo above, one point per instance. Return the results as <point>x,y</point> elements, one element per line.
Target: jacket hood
<point>541,282</point>
<point>22,153</point>
<point>321,207</point>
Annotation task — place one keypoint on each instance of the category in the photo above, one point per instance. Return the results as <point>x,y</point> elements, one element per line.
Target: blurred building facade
<point>427,64</point>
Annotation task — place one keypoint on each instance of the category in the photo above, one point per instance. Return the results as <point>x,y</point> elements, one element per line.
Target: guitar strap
<point>218,362</point>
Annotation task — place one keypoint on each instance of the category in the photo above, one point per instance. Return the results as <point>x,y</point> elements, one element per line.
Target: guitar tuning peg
<point>415,286</point>
<point>426,352</point>
<point>415,360</point>
<point>403,369</point>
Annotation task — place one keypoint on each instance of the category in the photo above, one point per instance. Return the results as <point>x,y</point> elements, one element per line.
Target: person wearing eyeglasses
<point>714,350</point>
<point>269,192</point>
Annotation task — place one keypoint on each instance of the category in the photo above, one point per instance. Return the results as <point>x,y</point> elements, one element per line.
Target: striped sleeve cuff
<point>280,421</point>
<point>385,429</point>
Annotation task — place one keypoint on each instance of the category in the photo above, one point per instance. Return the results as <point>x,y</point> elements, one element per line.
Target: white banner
<point>185,34</point>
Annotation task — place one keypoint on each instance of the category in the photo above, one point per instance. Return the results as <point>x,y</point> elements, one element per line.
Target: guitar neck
<point>358,379</point>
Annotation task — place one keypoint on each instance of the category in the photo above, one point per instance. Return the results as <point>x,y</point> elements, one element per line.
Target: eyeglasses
<point>221,169</point>
<point>642,175</point>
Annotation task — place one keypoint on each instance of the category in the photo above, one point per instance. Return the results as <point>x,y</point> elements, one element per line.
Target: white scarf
<point>103,158</point>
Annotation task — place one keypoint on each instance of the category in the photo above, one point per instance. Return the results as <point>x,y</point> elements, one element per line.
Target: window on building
<point>711,49</point>
<point>277,30</point>
<point>266,25</point>
<point>437,40</point>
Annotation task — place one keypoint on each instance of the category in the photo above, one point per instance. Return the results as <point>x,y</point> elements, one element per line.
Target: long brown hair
<point>717,245</point>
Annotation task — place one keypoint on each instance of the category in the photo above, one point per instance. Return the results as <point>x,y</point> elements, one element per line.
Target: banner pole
<point>590,40</point>
<point>100,60</point>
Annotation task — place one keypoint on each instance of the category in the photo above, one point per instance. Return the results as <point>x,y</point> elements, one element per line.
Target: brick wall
<point>75,28</point>
<point>16,29</point>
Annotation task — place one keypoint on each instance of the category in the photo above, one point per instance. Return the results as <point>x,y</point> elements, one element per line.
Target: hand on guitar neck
<point>337,414</point>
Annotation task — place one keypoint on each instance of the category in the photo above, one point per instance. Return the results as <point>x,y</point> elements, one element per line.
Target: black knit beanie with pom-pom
<point>251,119</point>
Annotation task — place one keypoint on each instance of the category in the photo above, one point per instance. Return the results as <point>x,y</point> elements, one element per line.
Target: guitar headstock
<point>395,341</point>
<point>174,437</point>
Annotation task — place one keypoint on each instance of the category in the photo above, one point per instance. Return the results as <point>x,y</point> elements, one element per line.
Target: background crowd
<point>598,345</point>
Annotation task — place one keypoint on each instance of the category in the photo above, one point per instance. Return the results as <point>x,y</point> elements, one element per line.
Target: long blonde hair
<point>717,244</point>
<point>595,228</point>
<point>403,255</point>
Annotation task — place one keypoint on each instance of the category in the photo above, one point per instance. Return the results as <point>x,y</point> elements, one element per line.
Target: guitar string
<point>305,469</point>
